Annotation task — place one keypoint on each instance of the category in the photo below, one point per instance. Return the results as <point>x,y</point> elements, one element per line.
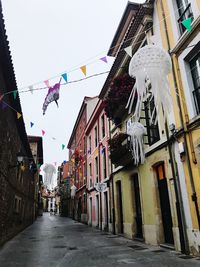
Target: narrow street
<point>58,241</point>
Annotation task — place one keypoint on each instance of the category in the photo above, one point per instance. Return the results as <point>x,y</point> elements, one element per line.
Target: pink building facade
<point>98,169</point>
<point>78,159</point>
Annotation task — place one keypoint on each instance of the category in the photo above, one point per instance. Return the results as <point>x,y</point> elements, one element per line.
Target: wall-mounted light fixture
<point>20,159</point>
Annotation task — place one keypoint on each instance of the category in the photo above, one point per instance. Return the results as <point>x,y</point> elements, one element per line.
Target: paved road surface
<point>54,241</point>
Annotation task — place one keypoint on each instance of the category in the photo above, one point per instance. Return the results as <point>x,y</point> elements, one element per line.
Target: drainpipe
<point>180,208</point>
<point>111,178</point>
<point>100,193</point>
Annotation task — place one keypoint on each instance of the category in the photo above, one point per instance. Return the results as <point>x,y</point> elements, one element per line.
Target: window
<point>96,138</point>
<point>90,145</point>
<point>97,169</point>
<point>17,204</point>
<point>151,120</point>
<point>102,125</point>
<point>90,173</point>
<point>195,71</point>
<point>85,145</point>
<point>184,11</point>
<point>104,163</point>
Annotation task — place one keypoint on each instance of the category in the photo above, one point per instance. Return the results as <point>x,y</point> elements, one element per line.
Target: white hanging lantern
<point>150,63</point>
<point>137,131</point>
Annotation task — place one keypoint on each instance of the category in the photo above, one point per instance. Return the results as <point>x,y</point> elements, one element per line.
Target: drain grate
<point>187,257</point>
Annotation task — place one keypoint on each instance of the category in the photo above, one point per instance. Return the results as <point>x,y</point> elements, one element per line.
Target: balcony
<point>117,98</point>
<point>120,154</point>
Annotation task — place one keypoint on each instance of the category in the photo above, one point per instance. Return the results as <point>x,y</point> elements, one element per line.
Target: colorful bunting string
<point>43,132</point>
<point>128,50</point>
<point>64,75</point>
<point>187,24</point>
<point>104,59</point>
<point>15,94</point>
<point>83,68</point>
<point>1,97</point>
<point>47,83</point>
<point>63,146</point>
<point>19,115</point>
<point>31,123</point>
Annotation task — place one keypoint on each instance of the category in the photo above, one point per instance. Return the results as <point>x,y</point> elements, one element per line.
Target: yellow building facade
<point>158,201</point>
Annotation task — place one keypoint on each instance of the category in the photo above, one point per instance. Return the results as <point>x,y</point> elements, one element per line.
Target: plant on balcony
<point>119,149</point>
<point>76,157</point>
<point>117,97</point>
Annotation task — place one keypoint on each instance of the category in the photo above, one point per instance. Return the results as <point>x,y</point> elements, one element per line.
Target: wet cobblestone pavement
<point>57,242</point>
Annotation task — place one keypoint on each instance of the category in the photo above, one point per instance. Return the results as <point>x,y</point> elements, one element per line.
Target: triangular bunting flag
<point>31,89</point>
<point>1,97</point>
<point>38,165</point>
<point>31,123</point>
<point>152,39</point>
<point>104,59</point>
<point>187,24</point>
<point>15,94</point>
<point>128,50</point>
<point>64,75</point>
<point>19,115</point>
<point>63,146</point>
<point>47,83</point>
<point>23,168</point>
<point>83,68</point>
<point>43,132</point>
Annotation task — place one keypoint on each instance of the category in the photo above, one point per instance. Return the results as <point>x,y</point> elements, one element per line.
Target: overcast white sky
<point>48,37</point>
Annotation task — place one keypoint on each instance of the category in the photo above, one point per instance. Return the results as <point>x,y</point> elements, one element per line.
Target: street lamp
<point>20,159</point>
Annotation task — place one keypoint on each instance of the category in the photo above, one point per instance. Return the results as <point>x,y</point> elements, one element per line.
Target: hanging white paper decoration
<point>137,131</point>
<point>150,64</point>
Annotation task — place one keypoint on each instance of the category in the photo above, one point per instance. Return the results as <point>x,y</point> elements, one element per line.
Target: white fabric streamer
<point>137,131</point>
<point>151,63</point>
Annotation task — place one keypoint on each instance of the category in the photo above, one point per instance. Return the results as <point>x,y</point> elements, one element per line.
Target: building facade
<point>17,174</point>
<point>98,169</point>
<point>37,152</point>
<point>78,159</point>
<point>184,47</point>
<point>145,195</point>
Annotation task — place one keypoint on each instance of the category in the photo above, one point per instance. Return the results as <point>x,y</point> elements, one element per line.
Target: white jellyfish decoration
<point>150,65</point>
<point>136,131</point>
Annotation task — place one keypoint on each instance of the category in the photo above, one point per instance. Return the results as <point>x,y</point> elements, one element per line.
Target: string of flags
<point>187,23</point>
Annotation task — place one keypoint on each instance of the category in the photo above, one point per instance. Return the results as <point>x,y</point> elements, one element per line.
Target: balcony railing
<point>187,13</point>
<point>120,154</point>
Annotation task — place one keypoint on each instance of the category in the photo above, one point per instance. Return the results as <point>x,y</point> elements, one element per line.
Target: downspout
<point>179,204</point>
<point>100,193</point>
<point>113,200</point>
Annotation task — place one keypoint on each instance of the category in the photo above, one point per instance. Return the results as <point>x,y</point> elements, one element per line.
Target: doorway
<point>138,208</point>
<point>164,204</point>
<point>90,211</point>
<point>106,211</point>
<point>97,211</point>
<point>120,208</point>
